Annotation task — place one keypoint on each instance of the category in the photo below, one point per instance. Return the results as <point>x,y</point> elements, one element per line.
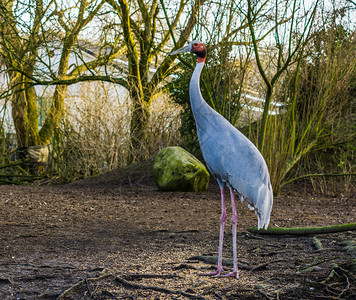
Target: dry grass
<point>94,136</point>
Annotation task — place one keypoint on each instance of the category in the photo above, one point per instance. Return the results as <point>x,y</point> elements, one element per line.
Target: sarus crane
<point>231,158</point>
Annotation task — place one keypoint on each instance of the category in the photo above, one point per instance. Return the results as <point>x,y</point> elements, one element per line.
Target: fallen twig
<point>131,285</point>
<point>315,264</point>
<point>264,294</point>
<point>3,181</point>
<point>272,253</point>
<point>260,267</point>
<point>66,293</point>
<point>303,230</point>
<point>14,164</point>
<point>139,276</point>
<point>347,286</point>
<point>184,266</point>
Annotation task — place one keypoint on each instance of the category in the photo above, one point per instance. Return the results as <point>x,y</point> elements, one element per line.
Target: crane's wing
<point>235,160</point>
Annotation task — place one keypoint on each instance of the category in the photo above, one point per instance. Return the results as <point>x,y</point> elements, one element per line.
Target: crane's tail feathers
<point>262,203</point>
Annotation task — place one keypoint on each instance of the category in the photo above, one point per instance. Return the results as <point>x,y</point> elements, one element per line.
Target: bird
<point>232,159</point>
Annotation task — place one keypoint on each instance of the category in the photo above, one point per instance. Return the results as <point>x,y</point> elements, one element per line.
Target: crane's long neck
<point>197,101</point>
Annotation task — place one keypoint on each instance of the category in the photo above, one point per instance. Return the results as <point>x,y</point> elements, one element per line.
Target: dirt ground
<point>117,237</point>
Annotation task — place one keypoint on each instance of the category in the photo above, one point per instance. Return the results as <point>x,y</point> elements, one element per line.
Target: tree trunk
<point>56,111</point>
<point>141,113</point>
<point>25,115</point>
<point>55,114</point>
<point>261,140</point>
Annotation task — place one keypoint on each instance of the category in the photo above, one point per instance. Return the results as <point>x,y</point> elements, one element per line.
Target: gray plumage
<point>230,156</point>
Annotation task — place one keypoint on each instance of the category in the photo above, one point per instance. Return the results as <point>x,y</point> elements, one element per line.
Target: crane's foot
<point>232,274</point>
<point>216,273</point>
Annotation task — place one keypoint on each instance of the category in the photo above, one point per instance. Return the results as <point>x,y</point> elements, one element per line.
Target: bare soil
<point>117,237</point>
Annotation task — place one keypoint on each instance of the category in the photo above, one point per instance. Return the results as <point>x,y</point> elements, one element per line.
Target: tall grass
<point>315,136</point>
<point>94,136</point>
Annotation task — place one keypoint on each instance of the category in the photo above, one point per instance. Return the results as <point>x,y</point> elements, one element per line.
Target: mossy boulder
<point>175,169</point>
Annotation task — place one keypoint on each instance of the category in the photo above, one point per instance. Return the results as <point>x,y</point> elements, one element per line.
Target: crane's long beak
<point>181,50</point>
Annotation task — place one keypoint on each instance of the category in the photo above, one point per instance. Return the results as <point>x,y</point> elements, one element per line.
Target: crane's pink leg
<point>235,272</point>
<point>221,239</point>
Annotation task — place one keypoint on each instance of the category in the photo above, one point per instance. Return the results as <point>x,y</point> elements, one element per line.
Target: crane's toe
<point>232,274</point>
<point>216,273</point>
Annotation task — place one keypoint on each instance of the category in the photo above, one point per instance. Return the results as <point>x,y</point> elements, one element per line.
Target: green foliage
<point>329,81</point>
<point>179,92</point>
<point>316,132</point>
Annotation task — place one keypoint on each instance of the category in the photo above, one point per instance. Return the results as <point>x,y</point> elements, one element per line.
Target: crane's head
<point>196,47</point>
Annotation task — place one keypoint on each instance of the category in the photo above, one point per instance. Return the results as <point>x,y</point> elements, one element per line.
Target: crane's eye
<point>195,44</point>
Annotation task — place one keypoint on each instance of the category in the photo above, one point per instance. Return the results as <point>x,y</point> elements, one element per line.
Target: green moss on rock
<point>175,169</point>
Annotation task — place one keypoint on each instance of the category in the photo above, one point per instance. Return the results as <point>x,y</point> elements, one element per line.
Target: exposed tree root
<point>303,230</point>
<point>213,260</point>
<point>339,283</point>
<point>139,276</point>
<point>125,283</point>
<point>184,266</point>
<point>131,285</point>
<point>312,266</point>
<point>66,293</point>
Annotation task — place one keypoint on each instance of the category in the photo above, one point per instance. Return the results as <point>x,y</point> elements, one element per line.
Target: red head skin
<point>200,50</point>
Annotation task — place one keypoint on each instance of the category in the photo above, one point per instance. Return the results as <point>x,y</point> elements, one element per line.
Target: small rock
<point>316,243</point>
<point>350,247</point>
<point>4,280</point>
